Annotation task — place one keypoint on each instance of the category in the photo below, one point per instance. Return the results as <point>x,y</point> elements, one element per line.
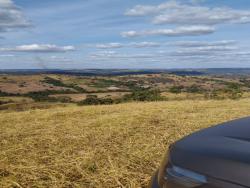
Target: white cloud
<point>6,3</point>
<point>45,48</point>
<point>187,19</point>
<point>109,45</point>
<point>174,12</point>
<point>108,55</point>
<point>200,53</point>
<point>60,59</point>
<point>11,16</point>
<point>7,55</point>
<point>243,53</point>
<point>179,31</point>
<point>202,15</point>
<point>142,10</point>
<point>130,34</point>
<point>209,50</point>
<point>204,43</point>
<point>125,45</point>
<point>198,48</point>
<point>145,44</point>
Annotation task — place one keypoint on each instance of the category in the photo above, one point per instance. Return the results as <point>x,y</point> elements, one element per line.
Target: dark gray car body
<point>221,153</point>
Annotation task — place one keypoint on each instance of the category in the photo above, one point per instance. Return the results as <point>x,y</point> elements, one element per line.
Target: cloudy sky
<point>77,34</point>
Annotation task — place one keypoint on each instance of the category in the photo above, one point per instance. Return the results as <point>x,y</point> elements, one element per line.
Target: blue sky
<point>80,34</point>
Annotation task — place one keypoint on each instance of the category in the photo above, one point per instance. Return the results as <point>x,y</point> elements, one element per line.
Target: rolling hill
<point>100,146</point>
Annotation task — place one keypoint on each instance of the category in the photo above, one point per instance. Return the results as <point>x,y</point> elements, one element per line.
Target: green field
<point>100,146</point>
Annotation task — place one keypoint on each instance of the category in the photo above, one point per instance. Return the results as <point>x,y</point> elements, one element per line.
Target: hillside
<point>100,146</point>
<point>52,88</point>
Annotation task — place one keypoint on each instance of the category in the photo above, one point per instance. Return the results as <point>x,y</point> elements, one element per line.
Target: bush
<point>90,100</point>
<point>194,89</point>
<point>59,83</point>
<point>103,83</point>
<point>215,94</point>
<point>144,95</point>
<point>176,89</point>
<point>44,96</point>
<point>5,94</point>
<point>53,82</point>
<point>3,102</point>
<point>234,91</point>
<point>107,101</point>
<point>64,99</point>
<point>94,100</point>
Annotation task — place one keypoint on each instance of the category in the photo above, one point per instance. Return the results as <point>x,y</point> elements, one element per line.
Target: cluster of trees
<point>5,94</point>
<point>136,95</point>
<point>144,95</point>
<point>234,90</point>
<point>245,82</point>
<point>231,90</point>
<point>176,89</point>
<point>44,96</point>
<point>41,96</point>
<point>59,83</point>
<point>102,83</point>
<point>189,89</point>
<point>94,100</point>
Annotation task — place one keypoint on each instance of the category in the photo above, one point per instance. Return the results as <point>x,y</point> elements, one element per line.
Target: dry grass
<point>24,106</point>
<point>25,83</point>
<point>100,146</point>
<point>80,97</point>
<point>16,99</point>
<point>183,96</point>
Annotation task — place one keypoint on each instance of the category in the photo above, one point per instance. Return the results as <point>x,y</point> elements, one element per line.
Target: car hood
<point>222,152</point>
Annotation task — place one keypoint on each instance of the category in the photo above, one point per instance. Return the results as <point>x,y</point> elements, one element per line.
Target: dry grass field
<point>100,146</point>
<point>80,97</point>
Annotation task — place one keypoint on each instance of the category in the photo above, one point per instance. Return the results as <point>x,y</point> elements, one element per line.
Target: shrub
<point>53,82</point>
<point>194,89</point>
<point>44,96</point>
<point>176,89</point>
<point>102,83</point>
<point>64,99</point>
<point>5,94</point>
<point>3,102</point>
<point>90,100</point>
<point>144,95</point>
<point>94,100</point>
<point>59,83</point>
<point>234,91</point>
<point>215,94</point>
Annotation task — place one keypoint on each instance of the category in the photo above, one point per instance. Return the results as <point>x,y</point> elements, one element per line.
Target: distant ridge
<point>120,72</point>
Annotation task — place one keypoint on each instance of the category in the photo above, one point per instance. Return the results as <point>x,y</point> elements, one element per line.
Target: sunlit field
<point>100,146</point>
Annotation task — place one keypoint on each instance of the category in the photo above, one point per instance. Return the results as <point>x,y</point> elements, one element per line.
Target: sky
<point>118,34</point>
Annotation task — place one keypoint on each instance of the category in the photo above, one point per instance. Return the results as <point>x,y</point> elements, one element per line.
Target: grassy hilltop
<point>100,146</point>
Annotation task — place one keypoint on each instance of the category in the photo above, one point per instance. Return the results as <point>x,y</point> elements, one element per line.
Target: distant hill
<point>85,72</point>
<point>117,72</point>
<point>212,71</point>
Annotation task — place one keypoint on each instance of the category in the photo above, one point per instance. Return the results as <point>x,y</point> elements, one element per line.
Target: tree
<point>234,91</point>
<point>144,95</point>
<point>94,100</point>
<point>176,89</point>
